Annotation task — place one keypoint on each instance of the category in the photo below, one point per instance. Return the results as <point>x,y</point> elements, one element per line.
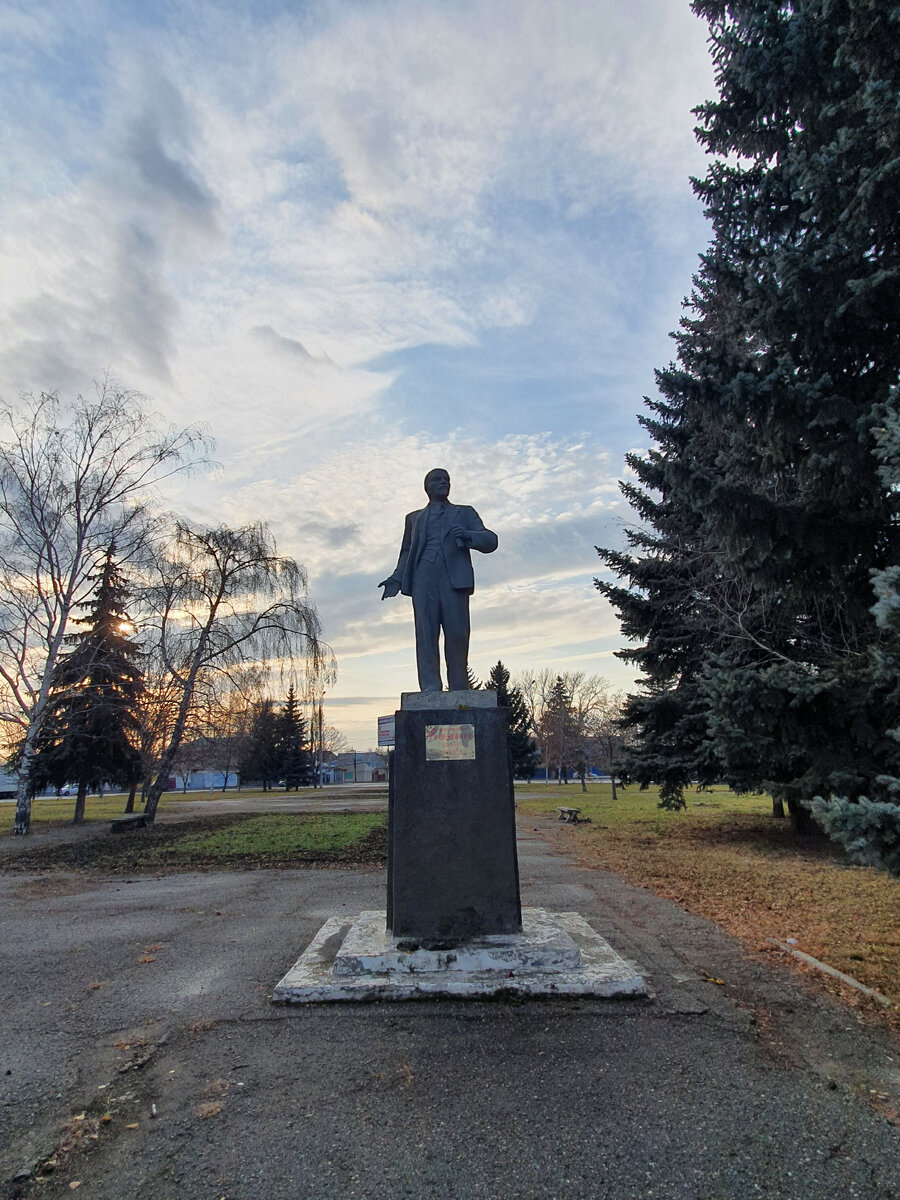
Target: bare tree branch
<point>223,599</point>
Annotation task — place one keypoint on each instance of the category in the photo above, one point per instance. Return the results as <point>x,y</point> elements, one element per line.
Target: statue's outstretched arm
<point>394,581</point>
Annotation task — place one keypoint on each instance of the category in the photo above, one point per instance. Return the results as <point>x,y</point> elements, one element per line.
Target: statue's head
<point>437,484</point>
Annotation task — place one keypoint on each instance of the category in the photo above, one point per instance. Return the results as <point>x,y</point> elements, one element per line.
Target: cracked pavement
<point>142,1057</point>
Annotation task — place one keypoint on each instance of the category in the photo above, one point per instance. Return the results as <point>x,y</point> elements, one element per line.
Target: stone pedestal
<point>454,926</point>
<point>452,869</point>
<point>556,954</point>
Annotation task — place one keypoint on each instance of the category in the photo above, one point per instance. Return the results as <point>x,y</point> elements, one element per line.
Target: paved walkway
<point>147,999</point>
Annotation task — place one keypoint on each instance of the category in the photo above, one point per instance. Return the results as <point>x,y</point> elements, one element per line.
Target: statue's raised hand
<point>463,536</point>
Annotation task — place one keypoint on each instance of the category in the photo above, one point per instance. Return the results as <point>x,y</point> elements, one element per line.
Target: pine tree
<point>93,727</point>
<point>522,746</point>
<point>296,763</point>
<point>261,760</point>
<point>752,588</point>
<point>810,231</point>
<point>668,608</point>
<point>870,830</point>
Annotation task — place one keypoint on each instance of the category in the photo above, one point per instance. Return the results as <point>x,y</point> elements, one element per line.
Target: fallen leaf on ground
<point>202,1026</point>
<point>147,958</point>
<point>210,1109</point>
<point>127,1045</point>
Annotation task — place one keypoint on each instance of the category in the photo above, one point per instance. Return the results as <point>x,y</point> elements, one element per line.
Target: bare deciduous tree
<point>604,736</point>
<point>228,706</point>
<point>561,733</point>
<point>224,598</point>
<point>192,756</point>
<point>334,741</point>
<point>74,479</point>
<point>158,709</point>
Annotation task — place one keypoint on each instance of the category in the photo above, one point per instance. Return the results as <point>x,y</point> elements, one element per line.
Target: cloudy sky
<point>363,238</point>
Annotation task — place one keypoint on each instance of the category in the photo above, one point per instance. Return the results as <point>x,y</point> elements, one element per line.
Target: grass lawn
<point>238,841</point>
<point>728,859</point>
<point>315,835</point>
<point>48,812</point>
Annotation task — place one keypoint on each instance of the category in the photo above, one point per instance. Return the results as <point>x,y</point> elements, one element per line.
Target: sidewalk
<point>119,994</point>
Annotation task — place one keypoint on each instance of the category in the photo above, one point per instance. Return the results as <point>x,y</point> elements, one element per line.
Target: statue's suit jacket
<point>458,559</point>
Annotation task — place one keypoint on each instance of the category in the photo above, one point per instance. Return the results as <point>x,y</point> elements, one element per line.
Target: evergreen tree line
<point>277,748</point>
<point>761,587</point>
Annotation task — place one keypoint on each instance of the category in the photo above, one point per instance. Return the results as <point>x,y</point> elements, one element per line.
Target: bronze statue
<point>435,568</point>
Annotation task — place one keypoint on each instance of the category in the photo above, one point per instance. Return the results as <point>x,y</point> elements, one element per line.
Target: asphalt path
<point>146,1000</point>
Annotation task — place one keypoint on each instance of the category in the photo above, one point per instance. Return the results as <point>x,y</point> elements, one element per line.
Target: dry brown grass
<point>727,859</point>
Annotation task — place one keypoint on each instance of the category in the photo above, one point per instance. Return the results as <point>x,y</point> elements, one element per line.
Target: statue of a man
<point>435,568</point>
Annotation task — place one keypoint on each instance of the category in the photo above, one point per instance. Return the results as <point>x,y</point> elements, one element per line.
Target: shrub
<point>868,830</point>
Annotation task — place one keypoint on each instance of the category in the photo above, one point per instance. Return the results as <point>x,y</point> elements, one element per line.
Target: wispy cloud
<point>300,224</point>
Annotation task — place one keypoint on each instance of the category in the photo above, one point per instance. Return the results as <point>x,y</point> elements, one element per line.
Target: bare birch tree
<point>158,709</point>
<point>74,479</point>
<point>224,598</point>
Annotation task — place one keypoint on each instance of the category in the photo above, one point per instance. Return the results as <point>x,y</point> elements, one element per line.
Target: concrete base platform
<point>556,954</point>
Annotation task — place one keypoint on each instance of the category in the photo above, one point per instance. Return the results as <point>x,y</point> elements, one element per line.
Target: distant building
<point>352,767</point>
<point>209,781</point>
<point>207,764</point>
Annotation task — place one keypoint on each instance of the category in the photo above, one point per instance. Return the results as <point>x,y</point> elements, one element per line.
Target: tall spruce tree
<point>92,731</point>
<point>261,759</point>
<point>522,746</point>
<point>766,508</point>
<point>296,763</point>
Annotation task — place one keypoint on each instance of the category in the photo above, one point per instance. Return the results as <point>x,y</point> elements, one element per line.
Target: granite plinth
<point>474,698</point>
<point>543,945</point>
<point>452,867</point>
<point>356,960</point>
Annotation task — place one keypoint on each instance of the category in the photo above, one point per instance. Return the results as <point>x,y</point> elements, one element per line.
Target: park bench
<point>570,816</point>
<point>132,821</point>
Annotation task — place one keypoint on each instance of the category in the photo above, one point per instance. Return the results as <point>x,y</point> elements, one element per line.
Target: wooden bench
<point>569,815</point>
<point>131,821</point>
